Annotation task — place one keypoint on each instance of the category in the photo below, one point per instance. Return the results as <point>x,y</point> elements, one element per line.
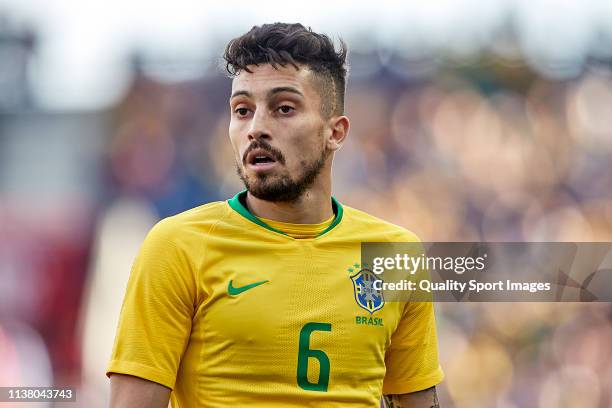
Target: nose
<point>259,126</point>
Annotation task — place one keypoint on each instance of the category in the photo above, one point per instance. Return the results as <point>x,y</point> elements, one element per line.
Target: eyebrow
<point>271,92</point>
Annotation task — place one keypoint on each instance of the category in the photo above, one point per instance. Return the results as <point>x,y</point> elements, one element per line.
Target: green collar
<point>238,204</point>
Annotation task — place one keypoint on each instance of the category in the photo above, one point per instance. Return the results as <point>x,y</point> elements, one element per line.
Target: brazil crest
<point>366,295</point>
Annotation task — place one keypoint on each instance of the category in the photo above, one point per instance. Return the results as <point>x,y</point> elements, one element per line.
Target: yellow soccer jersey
<point>227,311</point>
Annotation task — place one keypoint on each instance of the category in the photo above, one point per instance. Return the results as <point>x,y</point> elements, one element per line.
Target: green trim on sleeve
<point>236,203</point>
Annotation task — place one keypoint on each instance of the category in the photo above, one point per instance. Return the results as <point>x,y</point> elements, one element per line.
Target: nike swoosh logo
<point>232,291</point>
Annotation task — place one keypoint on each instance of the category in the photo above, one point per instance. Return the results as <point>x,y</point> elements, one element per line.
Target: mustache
<point>262,144</point>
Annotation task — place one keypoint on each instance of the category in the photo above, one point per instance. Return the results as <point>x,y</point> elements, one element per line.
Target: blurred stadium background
<point>471,120</point>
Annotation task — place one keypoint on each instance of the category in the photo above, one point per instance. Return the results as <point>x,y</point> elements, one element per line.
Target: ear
<point>339,128</point>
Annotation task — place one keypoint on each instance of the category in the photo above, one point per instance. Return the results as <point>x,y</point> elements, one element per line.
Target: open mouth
<point>260,157</point>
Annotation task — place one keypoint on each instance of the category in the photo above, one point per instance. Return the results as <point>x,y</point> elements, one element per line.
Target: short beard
<point>284,188</point>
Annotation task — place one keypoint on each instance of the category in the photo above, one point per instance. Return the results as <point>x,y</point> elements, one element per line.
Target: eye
<point>241,111</point>
<point>286,109</point>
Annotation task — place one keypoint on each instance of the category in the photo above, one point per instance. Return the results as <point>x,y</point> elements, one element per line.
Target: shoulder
<point>191,223</point>
<point>386,230</point>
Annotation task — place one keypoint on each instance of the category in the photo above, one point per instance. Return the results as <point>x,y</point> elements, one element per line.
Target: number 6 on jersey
<point>305,353</point>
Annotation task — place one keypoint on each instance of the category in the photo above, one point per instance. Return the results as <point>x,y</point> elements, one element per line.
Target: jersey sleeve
<point>157,311</point>
<point>412,357</point>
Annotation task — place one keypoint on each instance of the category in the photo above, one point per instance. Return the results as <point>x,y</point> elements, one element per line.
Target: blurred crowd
<point>486,150</point>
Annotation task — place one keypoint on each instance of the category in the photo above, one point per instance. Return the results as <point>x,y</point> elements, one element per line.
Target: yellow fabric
<point>180,327</point>
<point>299,231</point>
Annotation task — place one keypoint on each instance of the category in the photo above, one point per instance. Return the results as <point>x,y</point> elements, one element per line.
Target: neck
<point>313,207</point>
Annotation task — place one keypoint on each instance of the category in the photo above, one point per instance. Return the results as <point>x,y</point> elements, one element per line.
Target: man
<point>260,300</point>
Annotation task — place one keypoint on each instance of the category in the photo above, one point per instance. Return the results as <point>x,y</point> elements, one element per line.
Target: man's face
<point>277,131</point>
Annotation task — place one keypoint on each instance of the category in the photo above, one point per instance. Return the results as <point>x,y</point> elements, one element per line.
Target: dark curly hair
<point>294,44</point>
